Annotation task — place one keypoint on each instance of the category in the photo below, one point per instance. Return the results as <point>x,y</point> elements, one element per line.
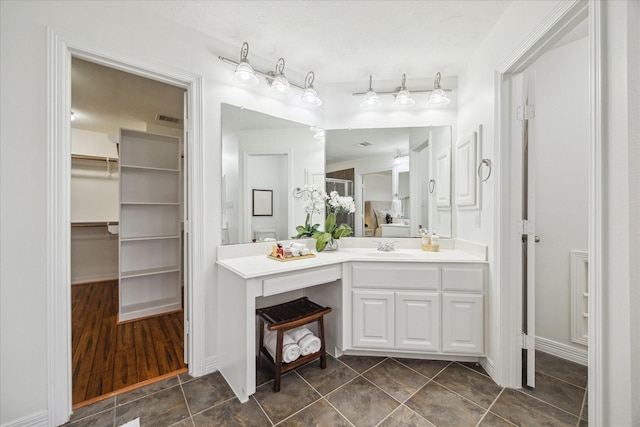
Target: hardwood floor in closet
<point>109,357</point>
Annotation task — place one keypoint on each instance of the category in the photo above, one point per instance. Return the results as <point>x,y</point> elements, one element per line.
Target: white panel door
<point>417,321</point>
<point>462,323</point>
<point>373,315</point>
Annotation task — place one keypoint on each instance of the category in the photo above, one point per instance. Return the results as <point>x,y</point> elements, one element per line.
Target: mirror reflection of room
<point>397,178</point>
<point>262,152</point>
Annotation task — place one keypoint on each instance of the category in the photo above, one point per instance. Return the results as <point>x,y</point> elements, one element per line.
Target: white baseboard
<point>210,364</point>
<point>488,366</point>
<point>37,420</point>
<point>94,278</point>
<point>563,351</point>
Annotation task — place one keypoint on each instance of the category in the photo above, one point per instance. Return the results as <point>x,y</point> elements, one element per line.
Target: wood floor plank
<point>105,349</point>
<point>158,331</point>
<point>174,323</point>
<point>146,359</point>
<point>125,369</point>
<point>99,384</point>
<point>125,339</point>
<point>82,362</point>
<point>168,360</point>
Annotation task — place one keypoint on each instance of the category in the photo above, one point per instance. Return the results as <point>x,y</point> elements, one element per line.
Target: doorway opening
<point>117,213</point>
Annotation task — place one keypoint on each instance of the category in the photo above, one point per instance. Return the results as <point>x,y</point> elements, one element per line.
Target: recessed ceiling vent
<point>169,119</point>
<point>363,144</point>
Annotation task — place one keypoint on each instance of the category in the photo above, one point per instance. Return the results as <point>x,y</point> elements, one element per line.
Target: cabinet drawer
<point>293,281</point>
<point>400,275</point>
<point>465,277</point>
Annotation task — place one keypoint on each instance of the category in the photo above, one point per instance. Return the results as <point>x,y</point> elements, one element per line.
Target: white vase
<point>332,245</point>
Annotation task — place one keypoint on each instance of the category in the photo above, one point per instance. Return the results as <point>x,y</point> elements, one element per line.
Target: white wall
<point>561,151</point>
<point>377,187</point>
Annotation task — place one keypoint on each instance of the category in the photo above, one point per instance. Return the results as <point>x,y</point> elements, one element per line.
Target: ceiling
<point>104,99</point>
<point>341,41</point>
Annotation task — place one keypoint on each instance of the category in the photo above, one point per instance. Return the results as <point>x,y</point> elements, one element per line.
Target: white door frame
<point>507,203</point>
<point>60,48</point>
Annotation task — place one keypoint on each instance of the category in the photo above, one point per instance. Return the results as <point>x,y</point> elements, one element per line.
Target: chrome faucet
<point>386,246</point>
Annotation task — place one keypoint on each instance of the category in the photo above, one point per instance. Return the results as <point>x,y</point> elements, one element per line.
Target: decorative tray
<point>293,258</point>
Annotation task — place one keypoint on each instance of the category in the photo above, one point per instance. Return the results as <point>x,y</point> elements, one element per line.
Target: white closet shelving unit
<point>150,225</point>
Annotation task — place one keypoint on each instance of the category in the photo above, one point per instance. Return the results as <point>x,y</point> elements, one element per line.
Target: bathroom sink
<point>382,254</point>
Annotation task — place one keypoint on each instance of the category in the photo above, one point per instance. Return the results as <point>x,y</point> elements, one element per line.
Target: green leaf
<point>321,240</point>
<point>330,223</point>
<point>342,231</point>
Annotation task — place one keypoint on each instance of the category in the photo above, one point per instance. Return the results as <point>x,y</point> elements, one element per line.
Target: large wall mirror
<point>400,178</point>
<point>274,156</point>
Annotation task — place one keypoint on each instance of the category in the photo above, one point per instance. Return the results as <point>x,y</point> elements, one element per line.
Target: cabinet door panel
<point>373,319</point>
<point>417,321</point>
<point>462,323</point>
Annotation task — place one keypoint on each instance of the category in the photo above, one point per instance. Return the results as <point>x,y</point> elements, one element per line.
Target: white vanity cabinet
<point>407,303</point>
<point>417,307</point>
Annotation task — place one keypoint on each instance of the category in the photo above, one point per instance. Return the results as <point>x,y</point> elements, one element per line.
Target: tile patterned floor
<point>357,391</point>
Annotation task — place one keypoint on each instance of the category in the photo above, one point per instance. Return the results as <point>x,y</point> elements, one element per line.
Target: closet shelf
<point>93,223</point>
<point>149,272</point>
<point>94,158</point>
<point>144,238</point>
<point>150,203</point>
<point>149,168</point>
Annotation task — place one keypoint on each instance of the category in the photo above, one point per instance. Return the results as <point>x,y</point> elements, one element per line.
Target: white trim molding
<point>37,420</point>
<point>563,351</point>
<point>60,48</point>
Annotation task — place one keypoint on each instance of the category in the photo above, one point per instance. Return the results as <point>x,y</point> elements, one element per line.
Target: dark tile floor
<point>358,391</point>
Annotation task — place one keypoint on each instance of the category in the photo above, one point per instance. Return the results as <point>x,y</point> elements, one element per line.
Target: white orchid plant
<point>316,199</point>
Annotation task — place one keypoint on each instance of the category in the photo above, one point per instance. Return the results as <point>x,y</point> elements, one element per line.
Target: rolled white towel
<point>308,342</point>
<point>290,349</point>
<point>298,245</point>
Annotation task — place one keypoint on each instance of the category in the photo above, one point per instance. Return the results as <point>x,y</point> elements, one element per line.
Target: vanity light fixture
<point>310,94</point>
<point>247,75</point>
<point>279,83</point>
<point>371,101</point>
<point>244,73</point>
<point>438,96</point>
<point>73,116</point>
<point>404,98</point>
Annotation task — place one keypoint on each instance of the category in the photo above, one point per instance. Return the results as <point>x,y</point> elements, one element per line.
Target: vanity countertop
<point>253,266</point>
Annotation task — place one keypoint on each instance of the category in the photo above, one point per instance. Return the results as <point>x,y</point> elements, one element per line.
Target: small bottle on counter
<point>435,242</point>
<point>426,240</point>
